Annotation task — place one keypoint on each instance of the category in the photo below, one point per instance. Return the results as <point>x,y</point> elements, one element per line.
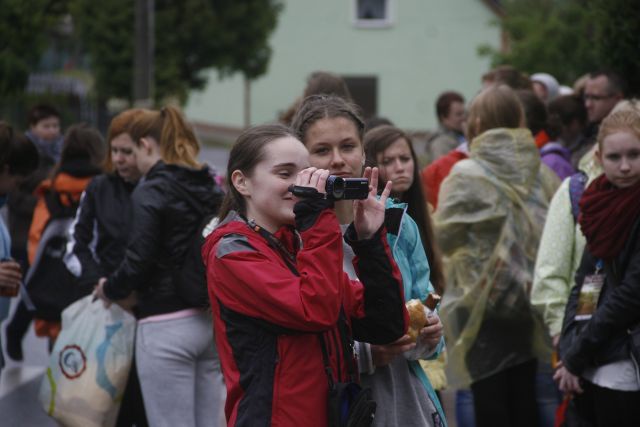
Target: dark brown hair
<point>41,112</point>
<point>178,144</point>
<point>444,101</point>
<point>318,107</point>
<point>563,111</point>
<point>535,111</point>
<point>83,143</point>
<point>17,152</point>
<point>376,141</point>
<point>246,153</point>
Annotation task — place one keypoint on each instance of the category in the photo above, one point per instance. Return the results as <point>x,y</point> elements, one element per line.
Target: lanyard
<point>287,256</point>
<point>345,338</point>
<point>599,266</point>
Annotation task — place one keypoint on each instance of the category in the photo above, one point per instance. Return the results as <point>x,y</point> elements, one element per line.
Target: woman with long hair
<point>488,224</point>
<point>176,359</point>
<point>391,150</point>
<point>332,130</point>
<point>284,310</point>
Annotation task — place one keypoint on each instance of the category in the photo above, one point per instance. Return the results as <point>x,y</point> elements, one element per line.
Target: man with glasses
<point>602,92</point>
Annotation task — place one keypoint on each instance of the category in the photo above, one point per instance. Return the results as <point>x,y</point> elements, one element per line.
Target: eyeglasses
<point>588,97</point>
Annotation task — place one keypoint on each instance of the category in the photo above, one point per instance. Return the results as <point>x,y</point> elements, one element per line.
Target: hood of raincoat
<point>510,155</point>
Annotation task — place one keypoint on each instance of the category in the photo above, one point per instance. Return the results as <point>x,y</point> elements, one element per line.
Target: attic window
<point>372,13</point>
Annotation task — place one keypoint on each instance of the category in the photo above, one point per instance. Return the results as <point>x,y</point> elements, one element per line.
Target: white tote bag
<point>89,364</point>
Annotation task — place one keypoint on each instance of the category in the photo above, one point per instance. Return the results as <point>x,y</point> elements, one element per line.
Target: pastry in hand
<point>417,318</point>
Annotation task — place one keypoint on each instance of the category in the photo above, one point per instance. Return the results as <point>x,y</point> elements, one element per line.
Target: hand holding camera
<point>368,214</point>
<point>335,188</point>
<point>368,210</point>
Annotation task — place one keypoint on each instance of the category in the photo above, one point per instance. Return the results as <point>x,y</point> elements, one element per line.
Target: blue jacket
<point>408,252</point>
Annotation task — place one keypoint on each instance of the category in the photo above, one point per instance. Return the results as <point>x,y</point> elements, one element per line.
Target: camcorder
<point>337,188</point>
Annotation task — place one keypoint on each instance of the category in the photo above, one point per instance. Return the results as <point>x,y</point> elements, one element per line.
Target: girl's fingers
<point>373,181</point>
<point>321,185</point>
<point>367,172</point>
<point>313,179</point>
<point>304,176</point>
<point>385,193</point>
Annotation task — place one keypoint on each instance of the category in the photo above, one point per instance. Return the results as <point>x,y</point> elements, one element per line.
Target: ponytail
<point>178,142</point>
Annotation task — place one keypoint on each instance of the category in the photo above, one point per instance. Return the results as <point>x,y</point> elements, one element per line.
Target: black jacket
<point>99,234</point>
<point>604,338</point>
<point>165,222</point>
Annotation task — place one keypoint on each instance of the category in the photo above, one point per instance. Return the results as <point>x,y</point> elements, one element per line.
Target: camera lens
<point>335,187</point>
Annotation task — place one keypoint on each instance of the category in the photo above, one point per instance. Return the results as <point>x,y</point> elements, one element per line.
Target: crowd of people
<point>522,211</point>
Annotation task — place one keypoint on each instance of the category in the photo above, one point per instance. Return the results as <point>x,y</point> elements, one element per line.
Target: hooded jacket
<point>559,254</point>
<point>163,228</point>
<point>269,316</point>
<point>488,224</point>
<point>99,233</point>
<point>558,158</point>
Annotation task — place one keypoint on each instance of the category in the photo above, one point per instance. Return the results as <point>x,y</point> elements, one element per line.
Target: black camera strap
<point>345,341</point>
<point>276,244</point>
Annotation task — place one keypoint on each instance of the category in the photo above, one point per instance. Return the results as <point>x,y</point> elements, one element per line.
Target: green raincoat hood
<point>510,155</point>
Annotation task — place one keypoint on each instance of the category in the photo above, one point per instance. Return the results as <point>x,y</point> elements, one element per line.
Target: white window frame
<point>387,22</point>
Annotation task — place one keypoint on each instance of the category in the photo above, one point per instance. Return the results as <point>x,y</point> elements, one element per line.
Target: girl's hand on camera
<point>368,214</point>
<point>313,177</point>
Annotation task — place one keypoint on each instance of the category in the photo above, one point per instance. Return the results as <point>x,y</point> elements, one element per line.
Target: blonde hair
<point>177,141</point>
<point>494,107</point>
<point>120,124</point>
<point>623,120</point>
<point>627,104</point>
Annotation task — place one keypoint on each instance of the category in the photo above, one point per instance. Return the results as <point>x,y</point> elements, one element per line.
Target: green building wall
<point>430,46</point>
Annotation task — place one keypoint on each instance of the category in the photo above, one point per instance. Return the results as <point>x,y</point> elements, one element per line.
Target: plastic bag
<point>89,365</point>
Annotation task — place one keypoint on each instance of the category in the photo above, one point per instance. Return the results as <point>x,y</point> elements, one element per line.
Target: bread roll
<point>417,318</point>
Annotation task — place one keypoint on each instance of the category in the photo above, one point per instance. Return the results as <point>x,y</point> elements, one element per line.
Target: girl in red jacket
<point>285,313</point>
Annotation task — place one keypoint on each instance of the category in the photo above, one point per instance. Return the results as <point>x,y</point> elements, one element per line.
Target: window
<point>372,13</point>
<point>364,91</point>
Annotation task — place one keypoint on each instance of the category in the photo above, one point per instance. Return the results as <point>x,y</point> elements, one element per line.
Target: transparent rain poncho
<point>488,225</point>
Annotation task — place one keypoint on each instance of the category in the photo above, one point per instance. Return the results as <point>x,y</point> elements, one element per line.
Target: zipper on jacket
<point>276,385</point>
<point>337,352</point>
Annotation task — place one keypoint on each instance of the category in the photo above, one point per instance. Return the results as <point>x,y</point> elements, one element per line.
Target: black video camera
<point>337,188</point>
